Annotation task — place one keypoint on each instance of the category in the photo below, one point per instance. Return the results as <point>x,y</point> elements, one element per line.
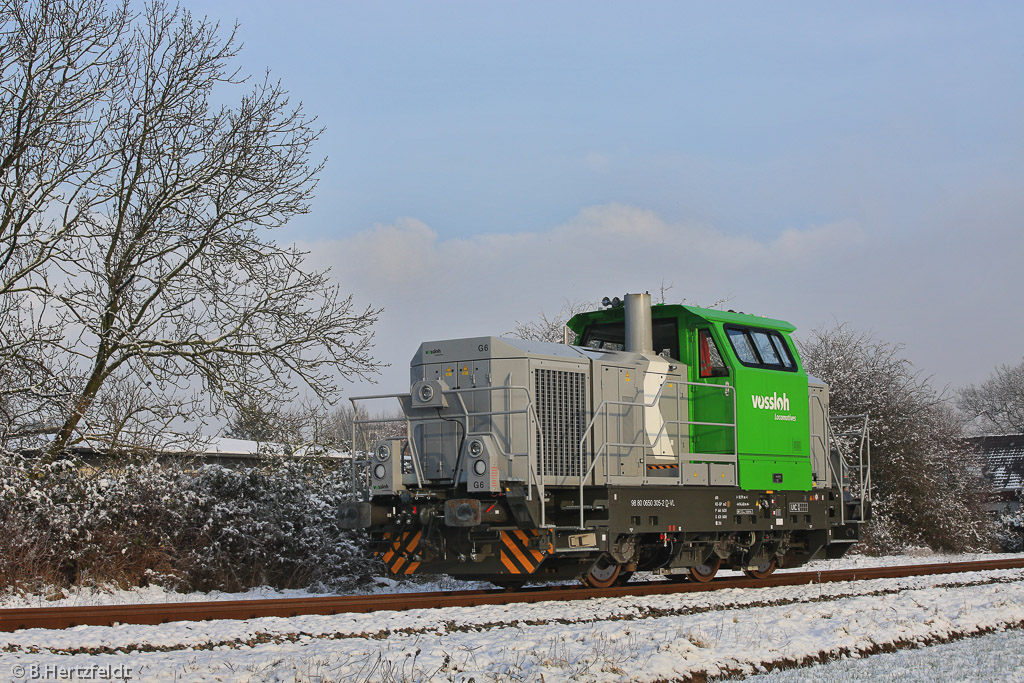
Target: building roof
<point>1003,456</point>
<point>215,448</point>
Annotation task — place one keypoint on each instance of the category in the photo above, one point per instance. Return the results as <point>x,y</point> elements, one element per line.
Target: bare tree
<point>312,427</point>
<point>997,404</point>
<point>59,60</point>
<point>551,329</point>
<point>339,423</point>
<point>178,280</point>
<point>136,247</point>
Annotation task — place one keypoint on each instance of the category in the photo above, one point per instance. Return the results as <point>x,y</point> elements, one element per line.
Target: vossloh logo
<point>774,402</point>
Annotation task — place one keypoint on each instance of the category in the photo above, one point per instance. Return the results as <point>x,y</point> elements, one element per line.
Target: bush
<point>929,489</point>
<point>1010,529</point>
<point>143,521</point>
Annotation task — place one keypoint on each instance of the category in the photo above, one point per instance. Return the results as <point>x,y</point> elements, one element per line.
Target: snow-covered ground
<point>673,637</point>
<point>994,657</point>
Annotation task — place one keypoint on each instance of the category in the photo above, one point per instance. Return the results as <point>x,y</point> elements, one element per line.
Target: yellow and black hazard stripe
<point>517,557</point>
<point>398,556</point>
<point>663,467</point>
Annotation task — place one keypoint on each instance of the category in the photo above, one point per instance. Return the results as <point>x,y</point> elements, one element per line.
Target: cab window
<point>743,346</point>
<point>710,359</point>
<point>758,348</point>
<point>767,352</point>
<point>605,336</point>
<point>612,337</point>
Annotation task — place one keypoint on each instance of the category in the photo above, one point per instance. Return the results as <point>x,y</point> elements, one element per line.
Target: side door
<point>712,402</point>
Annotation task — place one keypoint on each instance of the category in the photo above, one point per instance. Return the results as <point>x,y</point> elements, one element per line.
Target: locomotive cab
<point>757,358</point>
<point>673,439</point>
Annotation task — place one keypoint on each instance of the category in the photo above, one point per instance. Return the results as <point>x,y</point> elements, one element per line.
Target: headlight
<point>476,447</point>
<point>479,467</point>
<point>379,471</point>
<point>383,452</point>
<point>426,393</point>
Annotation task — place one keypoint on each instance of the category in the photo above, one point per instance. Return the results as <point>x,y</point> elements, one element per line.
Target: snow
<point>730,631</point>
<point>999,656</point>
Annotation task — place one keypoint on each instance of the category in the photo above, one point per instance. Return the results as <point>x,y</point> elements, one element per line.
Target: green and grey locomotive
<point>667,438</point>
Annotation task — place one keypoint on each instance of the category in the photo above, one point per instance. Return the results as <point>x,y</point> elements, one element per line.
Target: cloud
<point>435,288</point>
<point>401,254</point>
<point>600,247</point>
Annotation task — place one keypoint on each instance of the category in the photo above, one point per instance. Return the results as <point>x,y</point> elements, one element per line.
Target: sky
<point>822,163</point>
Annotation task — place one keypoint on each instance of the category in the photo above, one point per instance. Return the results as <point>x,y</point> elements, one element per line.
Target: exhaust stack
<point>639,328</point>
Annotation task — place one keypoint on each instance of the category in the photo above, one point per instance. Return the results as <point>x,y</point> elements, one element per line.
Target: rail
<point>111,615</point>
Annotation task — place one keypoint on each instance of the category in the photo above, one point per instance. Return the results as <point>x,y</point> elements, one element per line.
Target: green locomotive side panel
<point>764,473</point>
<point>772,413</point>
<point>768,394</point>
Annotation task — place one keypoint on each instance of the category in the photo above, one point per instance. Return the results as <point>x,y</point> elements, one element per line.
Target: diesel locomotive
<point>667,438</point>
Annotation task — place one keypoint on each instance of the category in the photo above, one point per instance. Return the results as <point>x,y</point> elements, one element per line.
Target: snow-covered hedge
<point>928,488</point>
<point>141,521</point>
<point>1010,533</point>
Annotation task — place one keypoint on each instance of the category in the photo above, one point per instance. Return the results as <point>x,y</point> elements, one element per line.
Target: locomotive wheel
<point>623,578</point>
<point>702,573</point>
<point>761,571</point>
<point>602,575</point>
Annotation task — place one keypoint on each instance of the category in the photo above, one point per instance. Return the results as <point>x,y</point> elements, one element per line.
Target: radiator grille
<point>561,410</point>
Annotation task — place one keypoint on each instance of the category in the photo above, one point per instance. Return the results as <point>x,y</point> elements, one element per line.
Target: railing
<point>862,434</point>
<point>602,451</point>
<point>534,479</point>
<point>357,422</point>
<point>536,475</point>
<point>831,440</point>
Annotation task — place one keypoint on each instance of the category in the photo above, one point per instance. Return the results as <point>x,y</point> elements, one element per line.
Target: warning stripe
<point>510,566</point>
<point>663,467</point>
<point>514,548</point>
<point>537,555</point>
<point>399,554</point>
<point>516,556</point>
<point>414,542</point>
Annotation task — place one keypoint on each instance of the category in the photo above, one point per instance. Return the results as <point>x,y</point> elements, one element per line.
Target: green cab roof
<point>579,321</point>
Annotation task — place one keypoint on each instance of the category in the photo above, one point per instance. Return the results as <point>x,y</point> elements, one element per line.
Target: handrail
<point>530,411</point>
<point>727,388</point>
<point>863,456</point>
<point>534,479</point>
<point>356,421</point>
<point>863,459</point>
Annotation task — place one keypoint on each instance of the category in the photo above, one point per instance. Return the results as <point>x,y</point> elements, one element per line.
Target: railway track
<point>109,615</point>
